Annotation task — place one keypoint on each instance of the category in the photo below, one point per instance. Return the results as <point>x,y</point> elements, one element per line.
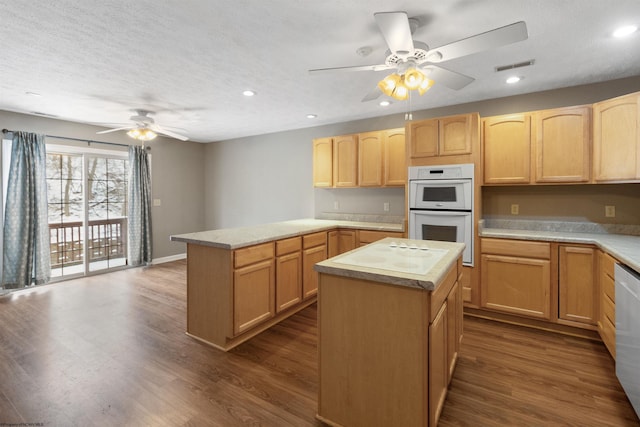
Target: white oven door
<point>444,226</point>
<point>441,194</point>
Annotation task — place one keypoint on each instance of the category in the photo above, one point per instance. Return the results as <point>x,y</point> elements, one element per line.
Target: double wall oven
<point>441,205</point>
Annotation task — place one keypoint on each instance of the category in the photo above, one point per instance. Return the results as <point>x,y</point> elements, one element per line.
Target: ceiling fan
<point>415,63</point>
<point>144,128</point>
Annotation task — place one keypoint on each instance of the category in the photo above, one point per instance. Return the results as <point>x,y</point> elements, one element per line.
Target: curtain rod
<point>88,141</point>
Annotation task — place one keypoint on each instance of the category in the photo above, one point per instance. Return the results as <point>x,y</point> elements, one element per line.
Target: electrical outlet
<point>386,206</point>
<point>157,202</point>
<point>610,211</point>
<point>515,209</point>
<point>336,205</point>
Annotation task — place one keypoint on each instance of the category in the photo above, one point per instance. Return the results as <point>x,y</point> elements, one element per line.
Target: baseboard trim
<point>168,258</point>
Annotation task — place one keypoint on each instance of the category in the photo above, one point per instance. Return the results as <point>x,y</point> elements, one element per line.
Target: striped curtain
<point>26,257</point>
<point>140,241</point>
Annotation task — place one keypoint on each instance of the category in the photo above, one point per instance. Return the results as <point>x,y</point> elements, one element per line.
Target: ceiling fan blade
<point>374,94</point>
<point>396,31</point>
<point>163,131</point>
<point>114,130</point>
<point>449,78</point>
<point>378,67</point>
<point>491,39</point>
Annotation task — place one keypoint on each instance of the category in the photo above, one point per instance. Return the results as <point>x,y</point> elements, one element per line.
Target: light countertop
<point>401,262</point>
<point>623,247</point>
<point>234,238</point>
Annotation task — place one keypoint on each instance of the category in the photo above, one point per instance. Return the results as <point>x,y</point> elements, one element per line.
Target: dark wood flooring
<point>110,350</point>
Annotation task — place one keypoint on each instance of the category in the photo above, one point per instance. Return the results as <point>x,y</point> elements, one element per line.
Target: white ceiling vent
<point>512,66</point>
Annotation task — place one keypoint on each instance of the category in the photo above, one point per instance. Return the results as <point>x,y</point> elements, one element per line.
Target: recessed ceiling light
<point>385,103</point>
<point>311,116</point>
<point>248,93</point>
<point>625,31</point>
<point>513,79</point>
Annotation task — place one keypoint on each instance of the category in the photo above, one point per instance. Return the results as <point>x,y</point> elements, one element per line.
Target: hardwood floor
<point>111,350</point>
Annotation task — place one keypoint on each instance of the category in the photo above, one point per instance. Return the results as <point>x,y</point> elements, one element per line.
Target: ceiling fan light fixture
<point>142,134</point>
<point>401,92</point>
<point>425,85</point>
<point>388,84</point>
<point>413,78</point>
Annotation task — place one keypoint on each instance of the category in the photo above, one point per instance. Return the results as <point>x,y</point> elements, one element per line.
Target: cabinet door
<point>332,244</point>
<point>424,138</point>
<point>345,161</point>
<point>438,365</point>
<point>288,280</point>
<point>370,152</point>
<point>395,159</point>
<point>577,286</point>
<point>507,149</point>
<point>310,257</point>
<point>454,135</point>
<point>454,328</point>
<point>346,240</point>
<point>323,162</point>
<point>253,295</point>
<point>563,144</point>
<point>516,285</point>
<point>616,139</point>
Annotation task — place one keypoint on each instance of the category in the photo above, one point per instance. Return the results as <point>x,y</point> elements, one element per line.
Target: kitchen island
<point>241,281</point>
<point>389,330</point>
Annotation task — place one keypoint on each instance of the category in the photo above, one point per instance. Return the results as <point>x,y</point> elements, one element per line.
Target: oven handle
<point>439,182</point>
<point>442,212</point>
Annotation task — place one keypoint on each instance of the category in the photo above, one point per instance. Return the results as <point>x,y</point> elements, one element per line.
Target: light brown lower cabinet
<point>369,236</point>
<point>385,350</point>
<point>288,273</point>
<point>314,250</point>
<point>577,286</point>
<point>253,295</point>
<point>515,277</point>
<point>607,318</point>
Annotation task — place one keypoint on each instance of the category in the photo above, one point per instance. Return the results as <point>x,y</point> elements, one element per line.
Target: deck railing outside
<point>107,239</point>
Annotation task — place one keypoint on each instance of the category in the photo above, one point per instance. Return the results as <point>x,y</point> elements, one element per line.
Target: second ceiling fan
<point>415,64</point>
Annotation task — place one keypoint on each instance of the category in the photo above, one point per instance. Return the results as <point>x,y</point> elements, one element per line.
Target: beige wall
<point>177,175</point>
<point>564,202</point>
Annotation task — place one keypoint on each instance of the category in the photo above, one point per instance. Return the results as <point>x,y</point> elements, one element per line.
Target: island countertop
<point>403,262</point>
<point>234,238</point>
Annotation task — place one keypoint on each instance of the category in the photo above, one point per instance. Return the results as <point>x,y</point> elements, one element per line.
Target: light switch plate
<point>515,209</point>
<point>157,202</point>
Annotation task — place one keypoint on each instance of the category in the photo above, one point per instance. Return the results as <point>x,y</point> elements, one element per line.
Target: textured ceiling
<point>189,61</point>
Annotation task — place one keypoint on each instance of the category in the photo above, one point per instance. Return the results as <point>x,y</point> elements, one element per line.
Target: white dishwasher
<point>628,332</point>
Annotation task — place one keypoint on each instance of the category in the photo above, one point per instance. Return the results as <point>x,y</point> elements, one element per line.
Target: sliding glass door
<point>87,196</point>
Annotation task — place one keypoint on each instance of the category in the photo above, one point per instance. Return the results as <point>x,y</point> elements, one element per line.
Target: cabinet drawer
<point>287,246</point>
<point>252,254</point>
<point>608,286</point>
<point>609,310</point>
<point>608,263</point>
<point>314,239</point>
<point>608,335</point>
<point>516,248</point>
<point>369,236</point>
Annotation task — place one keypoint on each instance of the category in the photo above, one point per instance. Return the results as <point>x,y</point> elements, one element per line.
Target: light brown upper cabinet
<point>507,149</point>
<point>395,160</point>
<point>381,158</point>
<point>323,162</point>
<point>370,151</point>
<point>562,140</point>
<point>616,139</point>
<point>444,136</point>
<point>345,161</point>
